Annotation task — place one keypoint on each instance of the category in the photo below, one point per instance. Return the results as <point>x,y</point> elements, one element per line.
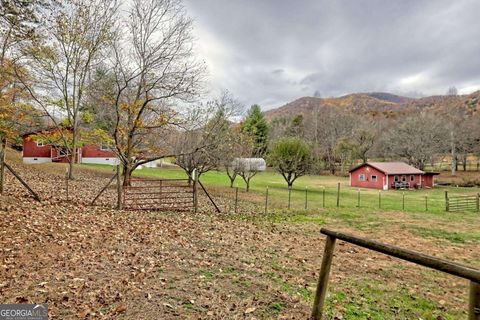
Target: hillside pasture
<point>424,200</point>
<point>98,263</point>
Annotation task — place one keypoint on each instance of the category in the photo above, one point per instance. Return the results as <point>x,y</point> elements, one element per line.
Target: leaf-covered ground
<point>99,263</point>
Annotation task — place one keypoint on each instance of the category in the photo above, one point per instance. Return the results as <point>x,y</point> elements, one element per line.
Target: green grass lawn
<point>319,190</point>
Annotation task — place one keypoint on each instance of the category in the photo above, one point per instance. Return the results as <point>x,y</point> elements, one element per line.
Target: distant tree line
<point>125,74</point>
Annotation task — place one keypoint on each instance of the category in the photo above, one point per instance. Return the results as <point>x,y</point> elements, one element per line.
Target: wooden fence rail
<point>409,255</point>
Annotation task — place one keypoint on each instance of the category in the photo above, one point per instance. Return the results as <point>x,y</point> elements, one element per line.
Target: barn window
<point>412,177</point>
<point>361,177</point>
<point>40,144</point>
<point>404,178</point>
<point>374,178</point>
<point>396,178</point>
<point>104,147</point>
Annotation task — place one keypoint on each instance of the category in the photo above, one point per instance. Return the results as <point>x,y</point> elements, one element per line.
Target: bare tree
<point>191,156</point>
<point>153,67</point>
<point>74,39</point>
<point>468,140</point>
<point>452,91</point>
<point>207,147</point>
<point>417,139</point>
<point>326,130</point>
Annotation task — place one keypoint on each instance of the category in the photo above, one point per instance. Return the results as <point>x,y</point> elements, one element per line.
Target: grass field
<point>320,191</point>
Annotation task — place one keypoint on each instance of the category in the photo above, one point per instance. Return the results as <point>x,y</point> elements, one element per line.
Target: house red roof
<point>391,167</point>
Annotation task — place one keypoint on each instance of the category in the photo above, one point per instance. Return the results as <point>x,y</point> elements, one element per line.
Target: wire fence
<point>274,198</point>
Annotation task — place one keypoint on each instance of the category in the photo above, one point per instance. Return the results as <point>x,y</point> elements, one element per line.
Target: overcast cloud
<point>273,51</point>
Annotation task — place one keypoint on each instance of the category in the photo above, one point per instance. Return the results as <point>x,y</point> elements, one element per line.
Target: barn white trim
<point>33,160</point>
<point>94,160</point>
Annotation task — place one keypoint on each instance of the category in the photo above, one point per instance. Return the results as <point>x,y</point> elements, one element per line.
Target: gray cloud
<point>273,51</point>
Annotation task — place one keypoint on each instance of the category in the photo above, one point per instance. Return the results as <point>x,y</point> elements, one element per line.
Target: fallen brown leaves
<point>99,263</point>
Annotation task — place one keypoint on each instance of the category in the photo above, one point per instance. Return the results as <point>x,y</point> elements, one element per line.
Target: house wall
<point>428,180</point>
<point>31,150</point>
<point>368,183</point>
<point>94,151</point>
<point>93,154</point>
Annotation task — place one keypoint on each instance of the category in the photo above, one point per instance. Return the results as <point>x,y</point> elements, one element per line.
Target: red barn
<point>389,175</point>
<point>35,151</point>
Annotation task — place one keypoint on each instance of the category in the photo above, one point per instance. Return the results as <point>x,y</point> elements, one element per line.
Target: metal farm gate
<point>159,194</point>
<point>462,203</point>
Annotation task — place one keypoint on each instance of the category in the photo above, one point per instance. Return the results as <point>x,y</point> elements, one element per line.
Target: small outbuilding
<point>390,175</point>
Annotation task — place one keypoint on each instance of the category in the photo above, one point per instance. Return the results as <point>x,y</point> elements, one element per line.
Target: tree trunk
<point>232,176</point>
<point>333,169</point>
<point>453,153</point>
<point>247,183</point>
<point>364,158</point>
<point>73,155</point>
<point>127,174</point>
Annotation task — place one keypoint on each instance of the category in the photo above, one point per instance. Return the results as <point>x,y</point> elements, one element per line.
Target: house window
<point>404,178</point>
<point>104,147</point>
<point>396,178</point>
<point>374,178</point>
<point>412,177</point>
<point>40,144</point>
<point>361,177</point>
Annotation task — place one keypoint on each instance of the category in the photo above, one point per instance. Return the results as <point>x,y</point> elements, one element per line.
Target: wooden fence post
<point>195,197</point>
<point>338,195</point>
<point>322,285</point>
<point>3,153</point>
<point>195,192</point>
<point>358,200</point>
<point>474,301</point>
<point>306,198</point>
<point>379,199</point>
<point>208,195</point>
<point>323,196</point>
<point>426,203</point>
<point>119,188</point>
<point>289,196</point>
<point>447,204</point>
<point>266,201</point>
<point>66,182</point>
<point>403,200</point>
<point>103,189</point>
<point>236,198</point>
<point>35,195</point>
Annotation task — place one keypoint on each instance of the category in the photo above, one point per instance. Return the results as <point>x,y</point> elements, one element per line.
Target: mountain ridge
<point>378,103</point>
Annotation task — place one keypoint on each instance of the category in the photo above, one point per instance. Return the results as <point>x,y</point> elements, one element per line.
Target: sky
<point>271,52</point>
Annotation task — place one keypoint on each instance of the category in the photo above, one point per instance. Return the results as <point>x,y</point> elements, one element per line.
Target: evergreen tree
<point>256,127</point>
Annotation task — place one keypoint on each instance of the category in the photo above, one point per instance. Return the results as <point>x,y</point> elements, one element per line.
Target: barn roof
<point>391,167</point>
<point>48,129</point>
